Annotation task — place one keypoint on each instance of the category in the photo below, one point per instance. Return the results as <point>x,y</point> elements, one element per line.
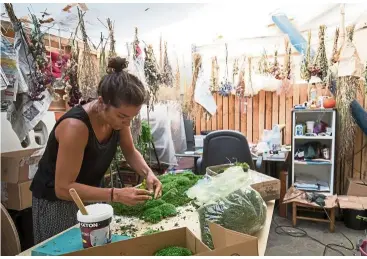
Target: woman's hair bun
<point>117,64</point>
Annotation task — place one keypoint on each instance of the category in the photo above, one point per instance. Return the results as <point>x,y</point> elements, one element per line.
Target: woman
<point>80,149</point>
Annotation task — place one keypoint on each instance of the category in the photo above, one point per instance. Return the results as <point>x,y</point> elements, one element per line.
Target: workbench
<point>262,235</point>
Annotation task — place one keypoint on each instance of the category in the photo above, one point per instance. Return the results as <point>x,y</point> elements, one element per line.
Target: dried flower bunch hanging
<point>275,68</point>
<point>240,90</point>
<point>190,106</point>
<point>152,74</point>
<point>319,67</point>
<point>102,57</point>
<point>88,74</point>
<point>167,75</point>
<point>178,77</point>
<point>137,50</point>
<point>225,86</point>
<point>70,79</point>
<point>263,65</point>
<point>214,78</point>
<point>347,89</point>
<point>306,63</point>
<point>335,53</point>
<point>249,76</point>
<point>111,36</point>
<point>235,69</point>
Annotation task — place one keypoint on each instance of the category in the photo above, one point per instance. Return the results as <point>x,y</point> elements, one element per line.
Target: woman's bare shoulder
<point>71,129</point>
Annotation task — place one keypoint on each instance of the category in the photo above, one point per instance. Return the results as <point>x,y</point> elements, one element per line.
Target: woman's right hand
<point>131,196</point>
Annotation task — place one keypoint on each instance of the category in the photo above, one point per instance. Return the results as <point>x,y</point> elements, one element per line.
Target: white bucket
<point>95,226</point>
<point>310,126</point>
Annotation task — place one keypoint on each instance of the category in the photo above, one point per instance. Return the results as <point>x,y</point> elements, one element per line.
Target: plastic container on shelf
<point>310,126</point>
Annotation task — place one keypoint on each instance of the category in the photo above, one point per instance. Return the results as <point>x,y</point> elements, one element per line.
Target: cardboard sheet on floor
<point>352,202</point>
<point>295,195</point>
<point>226,243</point>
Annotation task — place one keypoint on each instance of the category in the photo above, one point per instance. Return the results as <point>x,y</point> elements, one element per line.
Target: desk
<point>262,235</point>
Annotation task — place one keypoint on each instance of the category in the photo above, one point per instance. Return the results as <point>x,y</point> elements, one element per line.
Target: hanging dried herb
<point>306,63</point>
<point>335,54</point>
<point>167,75</point>
<point>240,90</point>
<point>214,78</point>
<point>190,106</point>
<point>70,79</point>
<point>88,74</point>
<point>263,65</point>
<point>137,50</point>
<point>235,69</point>
<point>102,57</point>
<point>225,86</point>
<point>249,76</point>
<point>152,74</point>
<point>320,65</point>
<point>286,71</point>
<point>112,52</point>
<point>178,77</point>
<point>346,92</point>
<point>160,53</point>
<point>275,68</point>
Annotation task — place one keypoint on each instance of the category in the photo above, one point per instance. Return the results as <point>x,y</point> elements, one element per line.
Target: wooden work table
<point>262,235</point>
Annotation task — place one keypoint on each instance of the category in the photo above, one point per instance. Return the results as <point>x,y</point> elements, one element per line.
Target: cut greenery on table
<point>173,251</point>
<point>173,195</point>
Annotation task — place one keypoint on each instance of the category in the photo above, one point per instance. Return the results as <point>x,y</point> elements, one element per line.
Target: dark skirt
<point>52,217</point>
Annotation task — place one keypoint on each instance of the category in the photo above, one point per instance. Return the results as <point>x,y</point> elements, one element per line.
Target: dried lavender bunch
<point>70,78</point>
<point>152,74</point>
<point>167,75</point>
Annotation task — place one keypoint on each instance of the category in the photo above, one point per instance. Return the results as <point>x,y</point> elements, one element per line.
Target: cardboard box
<point>267,186</point>
<point>226,243</point>
<point>16,196</point>
<point>357,187</point>
<point>20,167</point>
<point>352,202</point>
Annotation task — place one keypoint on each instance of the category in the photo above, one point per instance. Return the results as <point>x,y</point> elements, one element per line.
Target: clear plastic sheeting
<point>228,200</point>
<point>168,131</point>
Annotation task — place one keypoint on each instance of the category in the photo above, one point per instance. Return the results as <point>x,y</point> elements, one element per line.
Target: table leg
<point>332,220</point>
<point>195,165</point>
<point>294,214</point>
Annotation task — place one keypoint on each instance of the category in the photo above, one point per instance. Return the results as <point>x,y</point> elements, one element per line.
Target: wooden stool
<point>331,213</point>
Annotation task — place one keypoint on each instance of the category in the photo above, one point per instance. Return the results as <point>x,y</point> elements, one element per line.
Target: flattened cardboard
<point>148,245</point>
<point>352,202</point>
<point>357,187</point>
<point>295,195</point>
<point>18,196</point>
<point>267,186</point>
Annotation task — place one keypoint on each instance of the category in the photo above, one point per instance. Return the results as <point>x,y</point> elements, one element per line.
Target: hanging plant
<point>70,79</point>
<point>335,53</point>
<point>178,77</point>
<point>214,78</point>
<point>319,67</point>
<point>235,69</point>
<point>225,86</point>
<point>240,90</point>
<point>249,77</point>
<point>137,50</point>
<point>263,65</point>
<point>190,106</point>
<point>167,75</point>
<point>88,76</point>
<point>348,85</point>
<point>306,63</point>
<point>112,51</point>
<point>152,75</point>
<point>275,68</point>
<point>286,72</point>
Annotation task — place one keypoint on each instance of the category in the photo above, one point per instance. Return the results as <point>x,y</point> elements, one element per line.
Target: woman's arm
<point>137,162</point>
<point>72,136</point>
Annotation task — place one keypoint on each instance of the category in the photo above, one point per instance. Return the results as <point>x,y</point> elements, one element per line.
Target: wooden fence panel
<point>252,115</point>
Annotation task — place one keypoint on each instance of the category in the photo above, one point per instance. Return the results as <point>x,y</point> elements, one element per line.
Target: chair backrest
<point>189,132</point>
<point>223,146</point>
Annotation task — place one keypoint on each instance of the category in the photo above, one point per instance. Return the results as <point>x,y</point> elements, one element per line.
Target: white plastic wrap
<point>262,82</point>
<point>168,131</point>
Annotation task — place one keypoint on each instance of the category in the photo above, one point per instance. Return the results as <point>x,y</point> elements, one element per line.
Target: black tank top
<point>96,160</point>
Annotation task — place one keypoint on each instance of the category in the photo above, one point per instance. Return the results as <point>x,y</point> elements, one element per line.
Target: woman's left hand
<point>153,184</point>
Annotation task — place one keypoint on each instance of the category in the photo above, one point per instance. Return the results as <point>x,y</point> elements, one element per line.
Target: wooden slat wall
<point>252,115</point>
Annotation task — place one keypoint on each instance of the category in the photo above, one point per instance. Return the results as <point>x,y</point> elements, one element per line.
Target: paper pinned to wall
<point>202,94</point>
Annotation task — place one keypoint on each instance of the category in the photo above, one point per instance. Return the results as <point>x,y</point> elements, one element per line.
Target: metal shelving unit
<point>322,171</point>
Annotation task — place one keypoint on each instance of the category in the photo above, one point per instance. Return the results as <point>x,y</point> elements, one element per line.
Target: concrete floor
<point>283,245</point>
